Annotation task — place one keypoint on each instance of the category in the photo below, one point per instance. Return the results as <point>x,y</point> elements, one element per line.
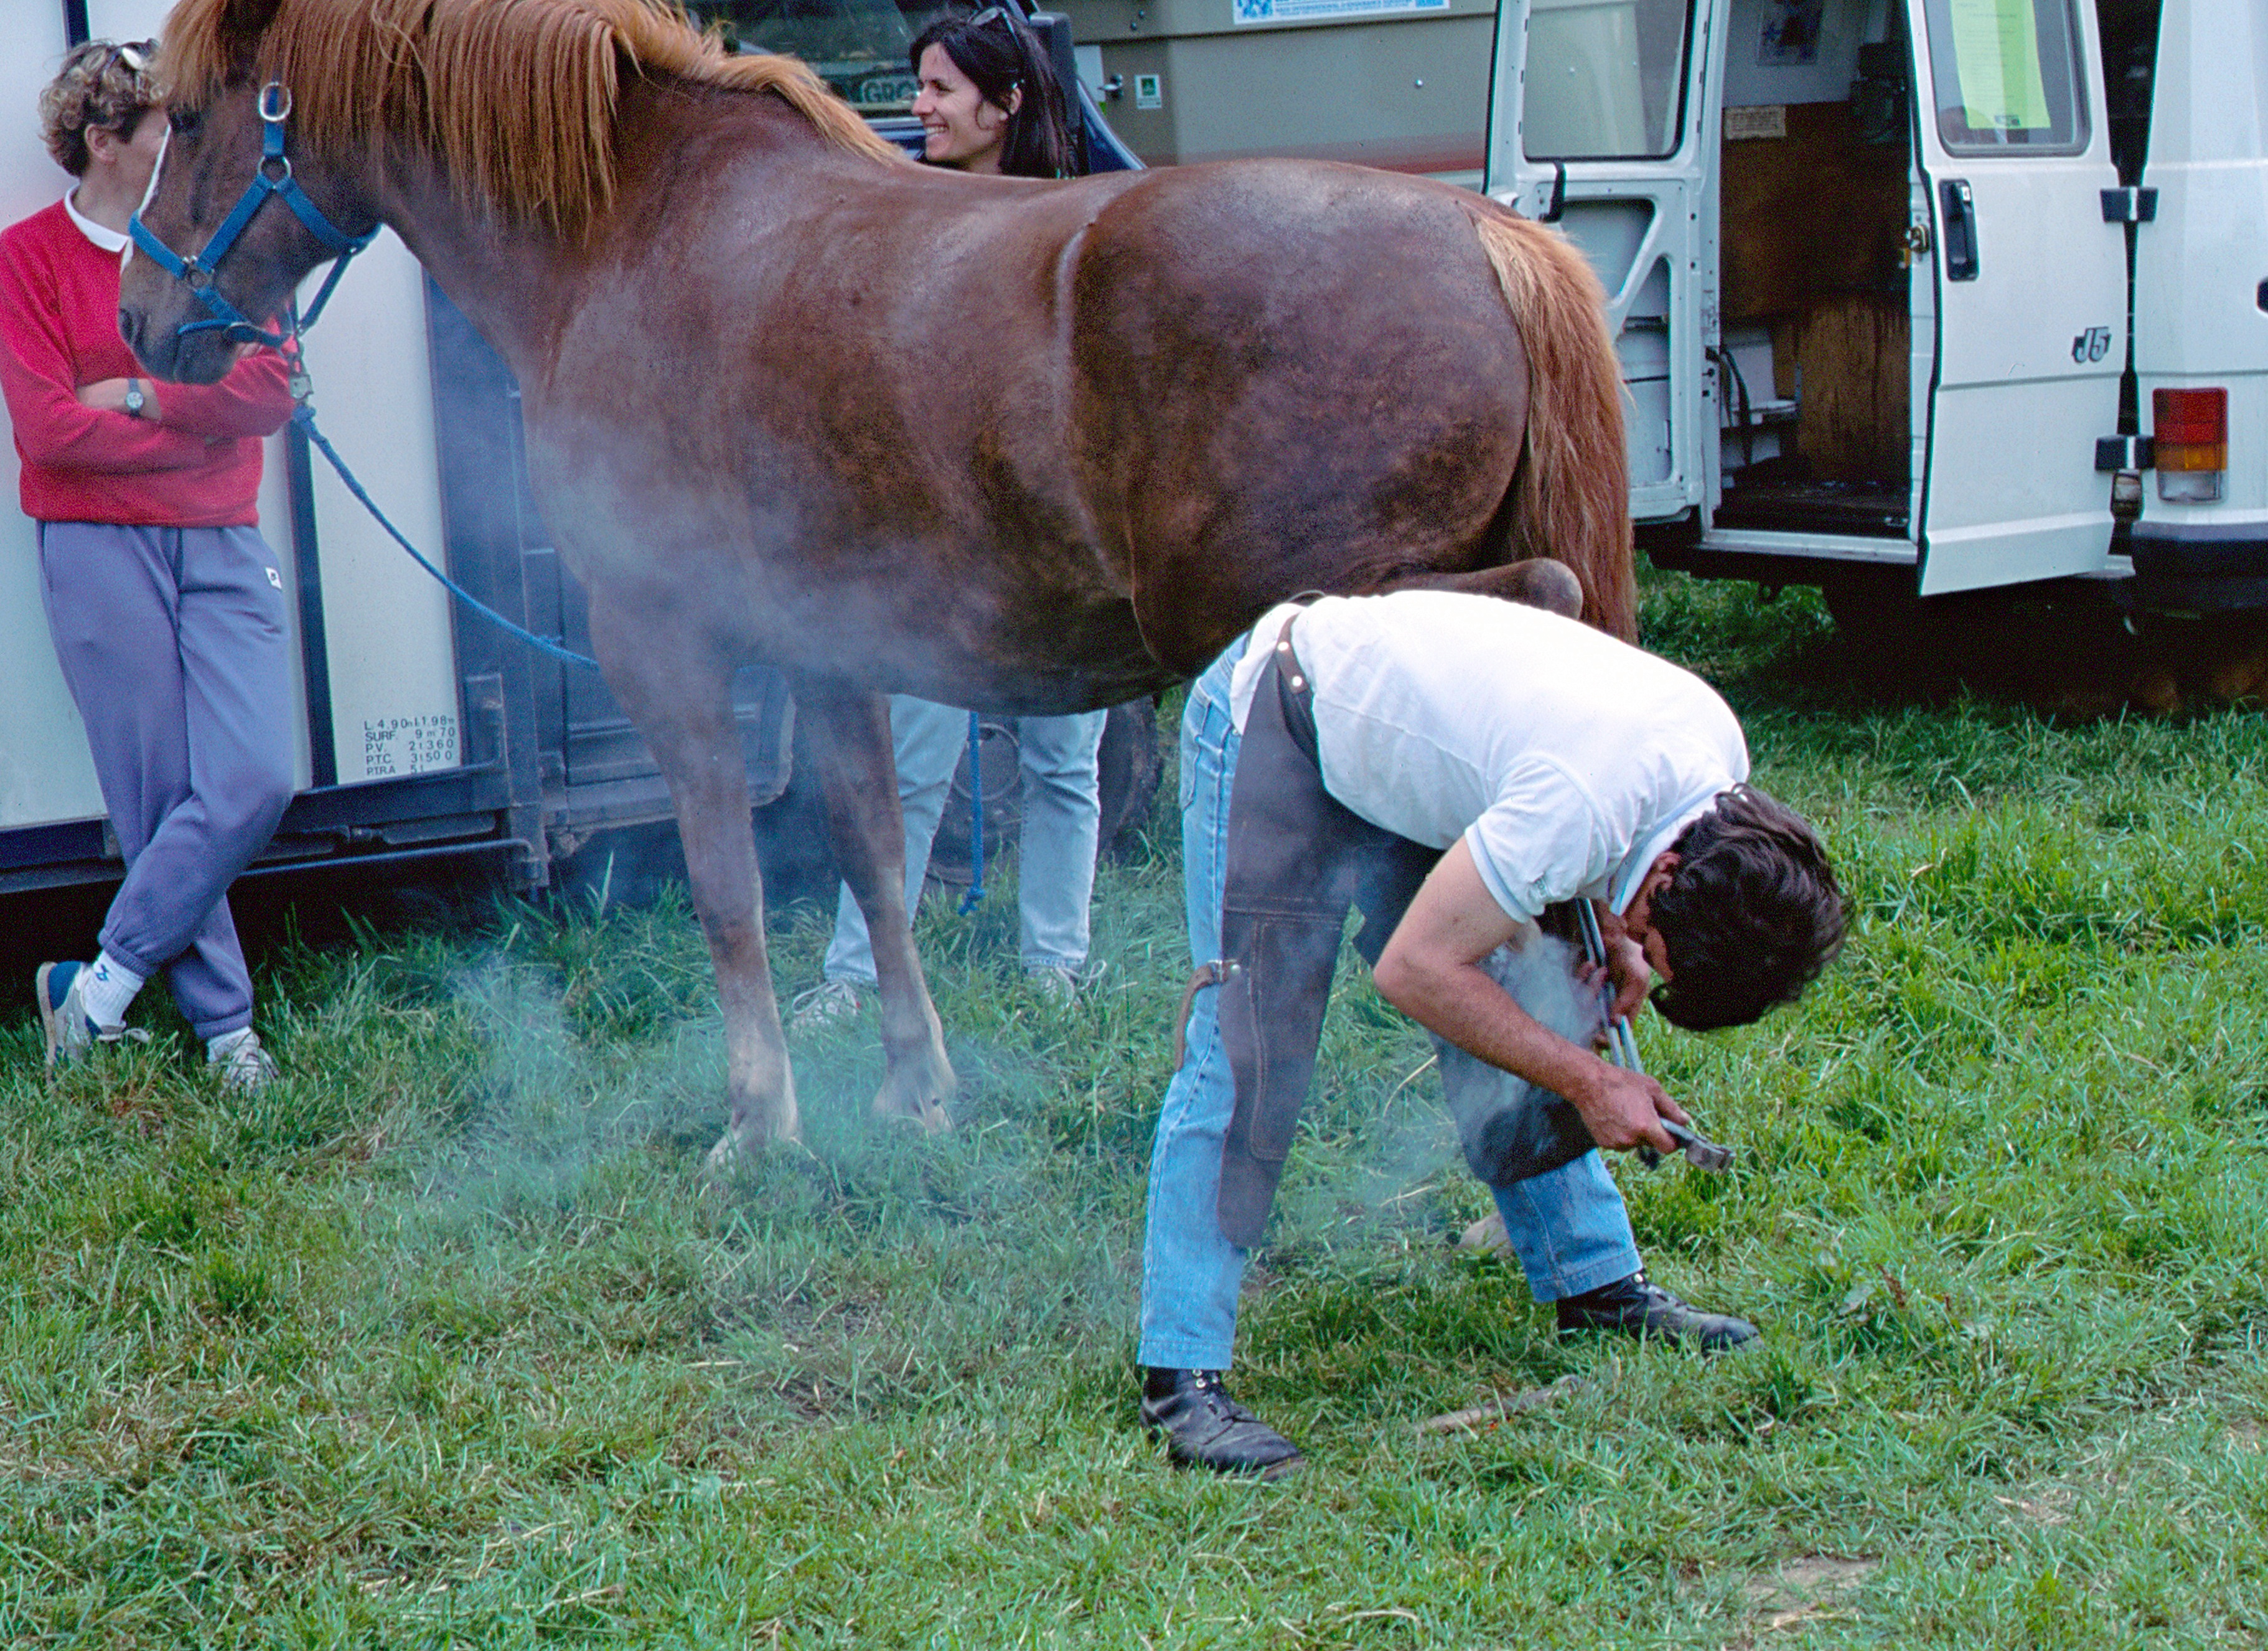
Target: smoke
<point>1413,1150</point>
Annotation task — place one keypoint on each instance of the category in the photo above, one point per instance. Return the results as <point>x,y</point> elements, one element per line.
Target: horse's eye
<point>182,120</point>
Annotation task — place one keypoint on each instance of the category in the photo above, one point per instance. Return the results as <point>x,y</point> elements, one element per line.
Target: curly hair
<point>102,86</point>
<point>1749,917</point>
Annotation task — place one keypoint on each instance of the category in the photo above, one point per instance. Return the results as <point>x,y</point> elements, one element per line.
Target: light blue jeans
<point>1569,1228</point>
<point>1062,816</point>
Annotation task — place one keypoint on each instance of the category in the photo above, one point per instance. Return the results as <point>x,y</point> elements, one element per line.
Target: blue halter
<point>273,178</point>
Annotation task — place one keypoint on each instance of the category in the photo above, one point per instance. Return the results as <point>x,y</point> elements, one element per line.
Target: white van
<point>1870,263</point>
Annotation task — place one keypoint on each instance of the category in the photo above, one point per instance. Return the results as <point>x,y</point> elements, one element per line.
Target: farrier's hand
<point>1623,1110</point>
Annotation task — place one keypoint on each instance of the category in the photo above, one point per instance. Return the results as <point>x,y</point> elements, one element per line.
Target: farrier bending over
<point>1327,760</point>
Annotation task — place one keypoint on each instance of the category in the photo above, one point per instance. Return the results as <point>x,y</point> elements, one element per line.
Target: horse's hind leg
<point>681,701</point>
<point>850,730</point>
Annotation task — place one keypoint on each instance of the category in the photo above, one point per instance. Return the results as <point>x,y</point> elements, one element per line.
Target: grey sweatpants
<point>172,642</point>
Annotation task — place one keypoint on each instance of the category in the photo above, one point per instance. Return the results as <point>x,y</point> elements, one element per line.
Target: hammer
<point>1622,1050</point>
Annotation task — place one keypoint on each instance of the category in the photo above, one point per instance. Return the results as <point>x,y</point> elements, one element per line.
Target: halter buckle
<point>275,103</point>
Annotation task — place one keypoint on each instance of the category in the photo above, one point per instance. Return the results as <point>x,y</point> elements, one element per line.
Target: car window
<point>2006,74</point>
<point>1605,78</point>
<point>859,47</point>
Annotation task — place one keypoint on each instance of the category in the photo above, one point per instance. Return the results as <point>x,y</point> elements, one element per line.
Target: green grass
<point>447,1340</point>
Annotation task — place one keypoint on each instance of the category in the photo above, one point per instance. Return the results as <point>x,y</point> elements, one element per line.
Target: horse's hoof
<point>927,1116</point>
<point>742,1141</point>
<point>916,1091</point>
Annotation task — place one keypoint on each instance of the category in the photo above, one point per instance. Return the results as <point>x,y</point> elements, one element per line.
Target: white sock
<point>110,987</point>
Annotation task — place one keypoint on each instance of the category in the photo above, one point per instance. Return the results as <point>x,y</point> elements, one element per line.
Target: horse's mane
<point>513,99</point>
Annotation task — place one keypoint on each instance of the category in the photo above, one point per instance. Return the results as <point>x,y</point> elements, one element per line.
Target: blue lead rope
<point>976,816</point>
<point>303,417</point>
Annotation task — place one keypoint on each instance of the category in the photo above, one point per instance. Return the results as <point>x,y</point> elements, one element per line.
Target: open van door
<point>1602,119</point>
<point>2014,195</point>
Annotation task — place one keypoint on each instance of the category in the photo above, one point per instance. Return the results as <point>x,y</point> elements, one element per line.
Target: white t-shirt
<point>1566,760</point>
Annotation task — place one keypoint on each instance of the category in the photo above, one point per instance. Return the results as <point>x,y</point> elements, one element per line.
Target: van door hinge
<point>2122,452</point>
<point>2130,206</point>
<point>1551,200</point>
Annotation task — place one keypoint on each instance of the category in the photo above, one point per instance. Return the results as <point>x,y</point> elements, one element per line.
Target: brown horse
<point>1038,446</point>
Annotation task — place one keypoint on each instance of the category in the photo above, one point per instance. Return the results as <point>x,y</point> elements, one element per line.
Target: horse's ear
<point>241,22</point>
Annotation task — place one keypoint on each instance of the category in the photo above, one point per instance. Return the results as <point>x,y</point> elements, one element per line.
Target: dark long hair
<point>998,54</point>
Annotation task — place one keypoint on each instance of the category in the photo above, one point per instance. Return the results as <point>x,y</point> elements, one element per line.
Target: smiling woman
<point>988,100</point>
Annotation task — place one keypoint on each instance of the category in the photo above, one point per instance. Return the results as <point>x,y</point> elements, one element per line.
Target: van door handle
<point>1957,211</point>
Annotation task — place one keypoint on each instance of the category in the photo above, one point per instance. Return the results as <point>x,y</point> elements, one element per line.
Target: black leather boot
<point>1635,1307</point>
<point>1204,1427</point>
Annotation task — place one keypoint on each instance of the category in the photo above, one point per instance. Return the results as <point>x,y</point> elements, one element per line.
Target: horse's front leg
<point>858,777</point>
<point>681,701</point>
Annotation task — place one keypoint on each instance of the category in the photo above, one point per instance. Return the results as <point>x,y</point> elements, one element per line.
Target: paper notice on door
<point>1996,47</point>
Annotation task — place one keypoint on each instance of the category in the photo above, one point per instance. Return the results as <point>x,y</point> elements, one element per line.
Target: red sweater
<point>197,468</point>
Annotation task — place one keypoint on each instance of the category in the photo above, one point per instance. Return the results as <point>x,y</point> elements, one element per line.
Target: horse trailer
<point>424,732</point>
<point>1917,296</point>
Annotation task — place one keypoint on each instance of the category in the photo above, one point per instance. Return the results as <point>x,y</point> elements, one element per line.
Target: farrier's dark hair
<point>1749,917</point>
<point>999,55</point>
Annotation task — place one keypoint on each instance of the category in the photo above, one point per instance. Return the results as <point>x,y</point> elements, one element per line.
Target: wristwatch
<point>134,400</point>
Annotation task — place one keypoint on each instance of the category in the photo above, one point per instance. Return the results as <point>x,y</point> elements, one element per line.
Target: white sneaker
<point>825,1005</point>
<point>1057,985</point>
<point>66,1029</point>
<point>242,1063</point>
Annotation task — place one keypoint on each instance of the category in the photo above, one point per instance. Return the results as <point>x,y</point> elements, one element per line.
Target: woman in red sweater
<point>165,605</point>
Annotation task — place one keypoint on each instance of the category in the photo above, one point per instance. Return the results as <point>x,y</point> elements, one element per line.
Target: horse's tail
<point>1572,496</point>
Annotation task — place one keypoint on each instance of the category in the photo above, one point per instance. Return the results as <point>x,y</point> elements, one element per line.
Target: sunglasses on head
<point>134,55</point>
<point>989,13</point>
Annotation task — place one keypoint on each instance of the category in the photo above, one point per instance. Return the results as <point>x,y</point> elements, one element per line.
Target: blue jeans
<point>1568,1227</point>
<point>1062,817</point>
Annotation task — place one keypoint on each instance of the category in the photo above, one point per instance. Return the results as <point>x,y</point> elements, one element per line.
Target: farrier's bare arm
<point>1430,971</point>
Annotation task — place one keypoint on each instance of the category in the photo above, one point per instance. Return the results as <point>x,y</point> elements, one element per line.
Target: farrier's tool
<point>1622,1050</point>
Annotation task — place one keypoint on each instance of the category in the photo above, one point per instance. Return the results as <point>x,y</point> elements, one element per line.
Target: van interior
<point>1814,369</point>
